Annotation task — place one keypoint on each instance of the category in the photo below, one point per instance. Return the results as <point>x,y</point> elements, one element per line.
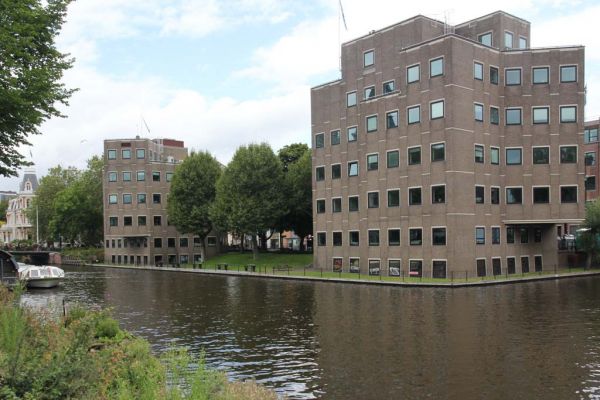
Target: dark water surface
<point>339,341</point>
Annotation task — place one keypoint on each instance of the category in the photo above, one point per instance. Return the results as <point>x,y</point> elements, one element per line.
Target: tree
<point>30,72</point>
<point>589,239</point>
<point>3,208</point>
<point>192,194</point>
<point>250,198</point>
<point>290,153</point>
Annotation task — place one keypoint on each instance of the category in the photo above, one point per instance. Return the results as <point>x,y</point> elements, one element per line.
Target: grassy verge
<point>87,356</point>
<point>88,254</point>
<point>269,260</point>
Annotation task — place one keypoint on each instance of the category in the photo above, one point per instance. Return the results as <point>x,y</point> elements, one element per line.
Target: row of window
<point>126,154</point>
<point>128,198</point>
<point>486,39</point>
<point>514,195</point>
<point>158,242</point>
<point>113,221</point>
<point>158,259</point>
<point>513,76</point>
<point>140,176</point>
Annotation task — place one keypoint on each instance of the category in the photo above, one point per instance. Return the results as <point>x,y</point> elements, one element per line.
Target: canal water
<point>538,340</point>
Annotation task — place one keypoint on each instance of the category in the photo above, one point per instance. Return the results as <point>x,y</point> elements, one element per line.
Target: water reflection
<point>534,340</point>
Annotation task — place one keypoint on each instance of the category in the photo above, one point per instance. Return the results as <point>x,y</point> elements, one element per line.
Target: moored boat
<point>44,276</point>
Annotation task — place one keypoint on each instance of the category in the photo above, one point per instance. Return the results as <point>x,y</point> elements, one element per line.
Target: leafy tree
<point>3,208</point>
<point>192,193</point>
<point>298,183</point>
<point>290,153</point>
<point>250,198</point>
<point>590,240</point>
<point>30,72</point>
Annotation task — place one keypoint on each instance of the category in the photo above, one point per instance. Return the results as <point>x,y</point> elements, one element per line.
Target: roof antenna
<point>341,18</point>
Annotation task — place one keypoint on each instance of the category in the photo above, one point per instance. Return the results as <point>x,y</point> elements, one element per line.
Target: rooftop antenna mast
<point>448,28</point>
<point>341,18</point>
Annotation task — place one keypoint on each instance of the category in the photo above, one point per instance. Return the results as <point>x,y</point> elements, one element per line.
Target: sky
<point>219,74</point>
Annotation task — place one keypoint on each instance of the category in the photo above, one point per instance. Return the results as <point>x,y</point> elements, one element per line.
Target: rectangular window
<point>568,154</point>
<point>373,199</point>
<point>414,196</point>
<point>510,234</point>
<point>494,155</point>
<point>354,238</point>
<point>336,171</point>
<point>514,195</point>
<point>415,268</point>
<point>494,116</point>
<point>478,112</point>
<point>337,238</point>
<point>127,198</point>
<point>414,155</point>
<point>541,155</point>
<point>568,73</point>
<point>391,119</point>
<point>140,154</point>
<point>141,176</point>
<point>479,235</point>
<point>155,176</point>
<point>508,40</point>
<point>525,264</point>
<point>373,237</point>
<point>511,265</point>
<point>415,236</point>
<point>568,114</point>
<point>495,235</point>
<point>522,42</point>
<point>394,237</point>
<point>320,174</point>
<point>590,158</point>
<point>141,220</point>
<point>524,233</point>
<point>568,194</point>
<point>372,123</point>
<point>478,71</point>
<point>369,92</point>
<point>353,168</point>
<point>158,243</point>
<point>372,162</point>
<point>351,99</point>
<point>112,176</point>
<point>495,195</point>
<point>320,206</point>
<point>335,137</point>
<point>513,116</point>
<point>479,194</point>
<point>496,266</point>
<point>436,67</point>
<point>540,75</point>
<point>393,159</point>
<point>479,153</point>
<point>319,140</point>
<point>485,39</point>
<point>156,198</point>
<point>157,219</point>
<point>112,154</point>
<point>414,115</point>
<point>388,87</point>
<point>141,198</point>
<point>394,267</point>
<point>590,183</point>
<point>494,75</point>
<point>113,221</point>
<point>336,205</point>
<point>127,221</point>
<point>590,135</point>
<point>352,134</point>
<point>413,73</point>
<point>374,267</point>
<point>112,199</point>
<point>541,115</point>
<point>541,195</point>
<point>355,265</point>
<point>321,239</point>
<point>438,194</point>
<point>512,76</point>
<point>126,154</point>
<point>368,58</point>
<point>438,152</point>
<point>514,156</point>
<point>353,203</point>
<point>393,198</point>
<point>127,176</point>
<point>438,236</point>
<point>436,109</point>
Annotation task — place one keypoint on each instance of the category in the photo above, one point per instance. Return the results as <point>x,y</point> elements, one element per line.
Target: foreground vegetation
<point>85,355</point>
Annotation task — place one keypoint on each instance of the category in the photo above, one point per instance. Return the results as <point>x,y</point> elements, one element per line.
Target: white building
<point>17,225</point>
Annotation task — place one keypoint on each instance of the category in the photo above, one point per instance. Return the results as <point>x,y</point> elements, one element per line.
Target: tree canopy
<point>30,72</point>
<point>589,239</point>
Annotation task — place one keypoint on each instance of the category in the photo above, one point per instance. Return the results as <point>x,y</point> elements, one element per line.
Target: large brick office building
<point>448,149</point>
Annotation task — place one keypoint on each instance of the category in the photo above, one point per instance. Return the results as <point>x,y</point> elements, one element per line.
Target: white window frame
<point>506,197</point>
<point>418,65</point>
<point>438,227</point>
<point>533,187</point>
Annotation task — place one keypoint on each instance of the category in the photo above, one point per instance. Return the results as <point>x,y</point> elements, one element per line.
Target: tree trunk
<point>254,247</point>
<point>203,249</point>
<point>263,241</point>
<point>302,243</point>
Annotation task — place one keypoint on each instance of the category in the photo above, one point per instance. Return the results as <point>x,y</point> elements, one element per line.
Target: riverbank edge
<point>450,285</point>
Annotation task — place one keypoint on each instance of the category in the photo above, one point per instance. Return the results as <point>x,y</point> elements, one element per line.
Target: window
<point>112,199</point>
<point>415,268</point>
<point>354,238</point>
<point>156,198</point>
<point>568,154</point>
<point>568,194</point>
<point>336,205</point>
<point>368,58</point>
<point>127,221</point>
<point>337,238</point>
<point>414,196</point>
<point>413,73</point>
<point>320,206</point>
<point>514,195</point>
<point>513,116</point>
<point>141,176</point>
<point>335,137</point>
<point>414,114</point>
<point>495,195</point>
<point>415,236</point>
<point>590,183</point>
<point>438,194</point>
<point>438,152</point>
<point>540,75</point>
<point>140,154</point>
<point>479,194</point>
<point>155,176</point>
<point>511,265</point>
<point>393,198</point>
<point>524,233</point>
<point>112,154</point>
<point>113,221</point>
<point>568,114</point>
<point>436,67</point>
<point>478,112</point>
<point>372,162</point>
<point>141,220</point>
<point>590,158</point>
<point>374,267</point>
<point>369,92</point>
<point>319,140</point>
<point>350,99</point>
<point>353,203</point>
<point>541,155</point>
<point>485,39</point>
<point>438,236</point>
<point>126,154</point>
<point>541,115</point>
<point>391,119</point>
<point>373,237</point>
<point>478,71</point>
<point>211,241</point>
<point>480,235</point>
<point>141,198</point>
<point>414,155</point>
<point>355,265</point>
<point>494,75</point>
<point>394,237</point>
<point>388,87</point>
<point>438,269</point>
<point>393,159</point>
<point>479,156</point>
<point>541,195</point>
<point>494,155</point>
<point>372,123</point>
<point>522,42</point>
<point>394,267</point>
<point>127,198</point>
<point>321,239</point>
<point>336,171</point>
<point>495,235</point>
<point>112,176</point>
<point>512,76</point>
<point>590,135</point>
<point>436,109</point>
<point>510,234</point>
<point>524,264</point>
<point>127,176</point>
<point>508,40</point>
<point>320,173</point>
<point>513,156</point>
<point>494,115</point>
<point>157,219</point>
<point>352,134</point>
<point>568,73</point>
<point>157,243</point>
<point>373,199</point>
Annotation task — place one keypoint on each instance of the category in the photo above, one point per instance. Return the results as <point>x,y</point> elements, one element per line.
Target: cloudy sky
<point>221,73</point>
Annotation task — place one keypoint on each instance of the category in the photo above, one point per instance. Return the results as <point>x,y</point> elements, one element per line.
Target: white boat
<point>44,276</point>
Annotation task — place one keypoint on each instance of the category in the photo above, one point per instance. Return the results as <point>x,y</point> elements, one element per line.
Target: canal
<point>344,341</point>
